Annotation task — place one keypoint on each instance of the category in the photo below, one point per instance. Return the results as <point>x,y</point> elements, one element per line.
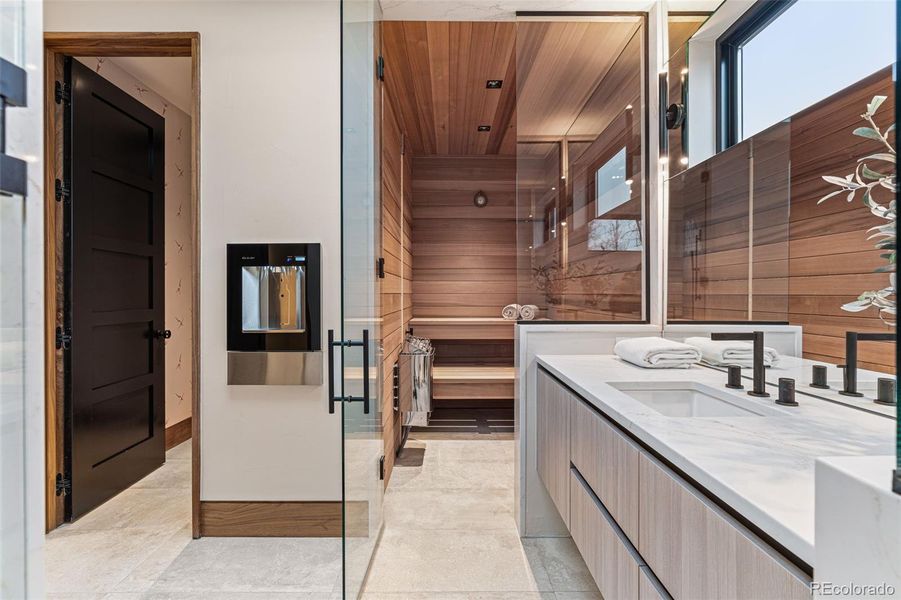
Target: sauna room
<point>474,180</point>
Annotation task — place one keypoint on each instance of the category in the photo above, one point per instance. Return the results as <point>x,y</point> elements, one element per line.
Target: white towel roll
<point>728,352</point>
<point>656,353</point>
<point>528,312</point>
<point>511,312</point>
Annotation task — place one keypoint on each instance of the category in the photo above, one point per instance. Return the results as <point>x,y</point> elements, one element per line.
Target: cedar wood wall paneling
<point>464,257</point>
<point>828,261</point>
<point>395,249</point>
<point>831,261</point>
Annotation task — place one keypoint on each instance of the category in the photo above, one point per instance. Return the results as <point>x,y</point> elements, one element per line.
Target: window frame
<point>728,78</point>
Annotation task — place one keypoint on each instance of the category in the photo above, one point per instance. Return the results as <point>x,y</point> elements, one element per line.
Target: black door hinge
<point>63,338</point>
<point>380,68</point>
<point>63,191</point>
<point>380,268</point>
<point>395,386</point>
<point>62,93</point>
<point>63,485</point>
<point>382,468</point>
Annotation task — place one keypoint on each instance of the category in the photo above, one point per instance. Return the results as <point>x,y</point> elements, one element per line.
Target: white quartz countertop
<point>760,466</point>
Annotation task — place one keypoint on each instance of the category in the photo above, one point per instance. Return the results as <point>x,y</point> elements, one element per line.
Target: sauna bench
<point>463,328</point>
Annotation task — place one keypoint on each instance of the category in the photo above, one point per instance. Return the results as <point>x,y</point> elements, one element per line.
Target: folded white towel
<point>528,311</point>
<point>722,352</point>
<point>656,353</point>
<point>511,312</point>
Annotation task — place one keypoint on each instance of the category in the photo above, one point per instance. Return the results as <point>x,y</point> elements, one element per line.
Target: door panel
<point>115,407</point>
<point>361,314</point>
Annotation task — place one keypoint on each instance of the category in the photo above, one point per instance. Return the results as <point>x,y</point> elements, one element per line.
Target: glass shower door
<point>360,389</point>
<point>12,302</point>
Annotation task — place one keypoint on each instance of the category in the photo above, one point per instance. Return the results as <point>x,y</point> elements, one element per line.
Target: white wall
<point>270,172</point>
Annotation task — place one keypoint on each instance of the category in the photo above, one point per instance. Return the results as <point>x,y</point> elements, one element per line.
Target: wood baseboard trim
<point>178,433</point>
<point>280,519</point>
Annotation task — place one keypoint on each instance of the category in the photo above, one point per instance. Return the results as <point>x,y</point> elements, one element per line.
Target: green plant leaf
<point>874,104</point>
<point>842,181</point>
<point>871,174</point>
<point>857,305</point>
<point>829,195</point>
<point>890,129</point>
<point>867,132</point>
<point>885,269</point>
<point>879,156</point>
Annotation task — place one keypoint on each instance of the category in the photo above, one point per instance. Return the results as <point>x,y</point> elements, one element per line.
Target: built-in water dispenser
<point>274,326</point>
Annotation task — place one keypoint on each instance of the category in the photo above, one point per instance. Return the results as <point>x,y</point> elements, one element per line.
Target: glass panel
<point>770,211</point>
<point>362,443</point>
<point>12,397</point>
<point>12,347</point>
<point>709,239</point>
<point>679,29</point>
<point>12,31</point>
<point>581,197</point>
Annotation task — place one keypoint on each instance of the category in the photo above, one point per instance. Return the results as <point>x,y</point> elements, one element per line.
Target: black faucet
<point>759,373</point>
<point>850,366</point>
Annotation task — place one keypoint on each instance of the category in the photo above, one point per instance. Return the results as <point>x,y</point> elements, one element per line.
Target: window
<point>612,187</point>
<point>783,56</point>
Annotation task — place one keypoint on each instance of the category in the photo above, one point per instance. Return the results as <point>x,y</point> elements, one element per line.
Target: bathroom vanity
<point>673,486</point>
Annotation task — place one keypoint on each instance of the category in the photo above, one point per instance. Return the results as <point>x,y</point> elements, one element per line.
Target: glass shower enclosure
<point>13,543</point>
<point>357,387</point>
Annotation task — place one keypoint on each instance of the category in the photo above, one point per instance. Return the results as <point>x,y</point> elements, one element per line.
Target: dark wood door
<point>116,420</point>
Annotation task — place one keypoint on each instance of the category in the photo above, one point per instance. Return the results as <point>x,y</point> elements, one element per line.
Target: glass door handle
<point>332,344</point>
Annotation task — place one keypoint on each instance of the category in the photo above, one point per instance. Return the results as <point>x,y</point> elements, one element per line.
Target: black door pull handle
<point>162,333</point>
<point>332,398</point>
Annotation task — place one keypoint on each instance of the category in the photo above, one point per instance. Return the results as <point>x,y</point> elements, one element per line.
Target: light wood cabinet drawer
<point>553,406</point>
<point>698,551</point>
<point>609,463</point>
<point>609,560</point>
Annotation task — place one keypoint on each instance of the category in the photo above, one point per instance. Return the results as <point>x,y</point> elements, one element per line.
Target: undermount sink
<point>688,399</point>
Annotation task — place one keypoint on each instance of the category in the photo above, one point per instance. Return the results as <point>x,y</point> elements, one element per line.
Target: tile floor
<point>449,535</point>
<point>138,545</point>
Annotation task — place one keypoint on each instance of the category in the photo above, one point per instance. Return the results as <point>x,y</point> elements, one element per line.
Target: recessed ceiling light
<point>494,84</point>
<point>484,127</point>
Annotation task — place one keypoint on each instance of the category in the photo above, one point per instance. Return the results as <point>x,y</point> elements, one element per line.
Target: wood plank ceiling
<point>560,65</point>
<point>438,72</point>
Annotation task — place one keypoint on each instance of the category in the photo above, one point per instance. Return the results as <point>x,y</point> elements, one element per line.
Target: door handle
<point>162,333</point>
<point>365,371</point>
<point>332,344</point>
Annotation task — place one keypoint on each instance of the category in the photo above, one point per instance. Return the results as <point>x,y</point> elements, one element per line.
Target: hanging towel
<point>511,312</point>
<point>656,353</point>
<point>722,353</point>
<point>528,312</point>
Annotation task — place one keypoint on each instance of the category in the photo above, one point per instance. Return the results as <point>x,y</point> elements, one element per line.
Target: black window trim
<point>728,46</point>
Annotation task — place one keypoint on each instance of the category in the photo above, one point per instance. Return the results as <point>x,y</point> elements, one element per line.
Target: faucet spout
<point>756,337</point>
<point>850,367</point>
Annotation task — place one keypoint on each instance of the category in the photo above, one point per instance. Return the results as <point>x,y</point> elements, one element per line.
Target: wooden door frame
<point>185,44</point>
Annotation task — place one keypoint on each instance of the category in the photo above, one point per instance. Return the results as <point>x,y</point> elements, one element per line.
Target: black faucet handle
<point>786,392</point>
<point>734,381</point>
